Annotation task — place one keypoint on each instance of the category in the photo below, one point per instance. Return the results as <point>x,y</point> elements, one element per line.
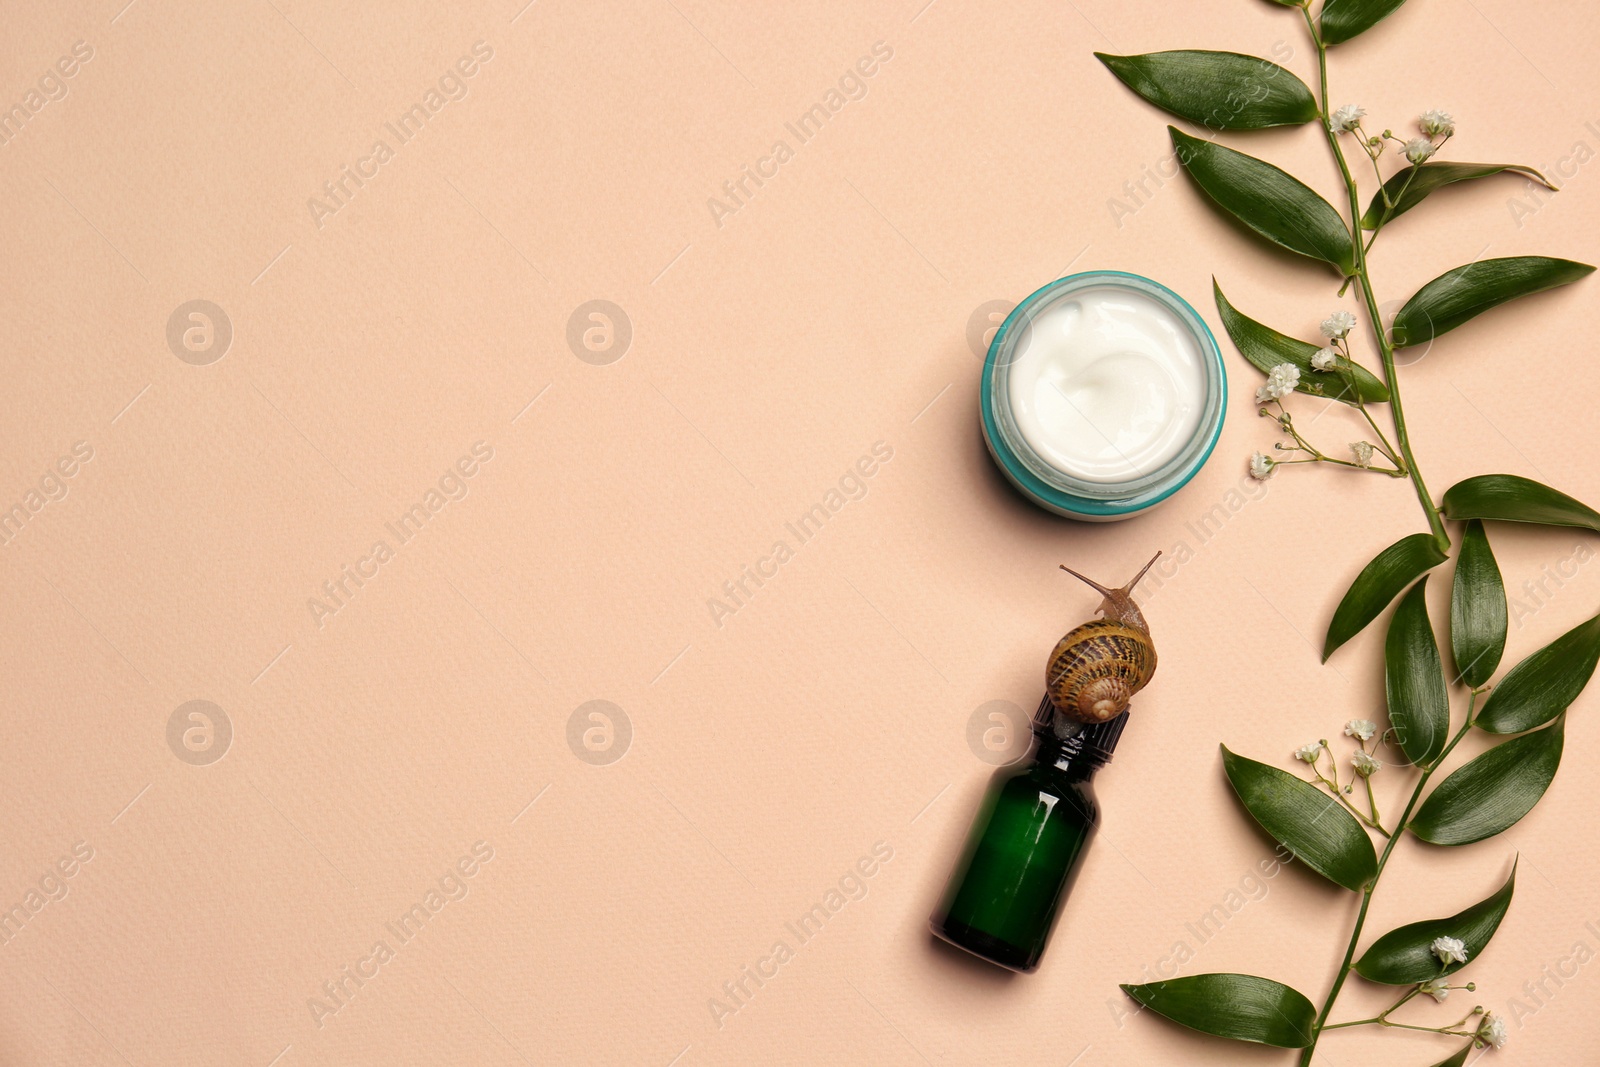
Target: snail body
<point>1097,667</point>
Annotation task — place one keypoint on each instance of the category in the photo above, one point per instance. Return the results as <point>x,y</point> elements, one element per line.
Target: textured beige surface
<point>390,745</point>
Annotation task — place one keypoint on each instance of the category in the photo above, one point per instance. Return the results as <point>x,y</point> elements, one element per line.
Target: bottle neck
<point>1078,748</point>
<point>1074,762</point>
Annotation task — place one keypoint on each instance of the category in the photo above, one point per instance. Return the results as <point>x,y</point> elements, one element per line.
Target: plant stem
<point>1372,802</point>
<point>1347,965</point>
<point>1315,455</point>
<point>1447,1031</point>
<point>1389,207</point>
<point>1370,821</point>
<point>1383,1016</point>
<point>1377,172</point>
<point>1383,441</point>
<point>1385,348</point>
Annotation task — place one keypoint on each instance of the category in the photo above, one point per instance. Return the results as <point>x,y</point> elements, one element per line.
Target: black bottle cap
<point>1096,741</point>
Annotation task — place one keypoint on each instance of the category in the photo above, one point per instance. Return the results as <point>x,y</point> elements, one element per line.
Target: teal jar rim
<point>1110,503</point>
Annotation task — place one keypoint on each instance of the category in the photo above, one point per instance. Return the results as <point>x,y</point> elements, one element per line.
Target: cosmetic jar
<point>1103,393</point>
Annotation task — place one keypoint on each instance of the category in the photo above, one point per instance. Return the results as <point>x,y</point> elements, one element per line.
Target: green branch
<point>1348,964</point>
<point>1385,348</point>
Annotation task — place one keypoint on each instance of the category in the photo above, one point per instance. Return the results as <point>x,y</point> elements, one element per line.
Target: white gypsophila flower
<point>1419,149</point>
<point>1449,950</point>
<point>1363,453</point>
<point>1261,467</point>
<point>1492,1031</point>
<point>1346,118</point>
<point>1281,381</point>
<point>1365,765</point>
<point>1360,729</point>
<point>1437,988</point>
<point>1436,123</point>
<point>1324,359</point>
<point>1309,752</point>
<point>1338,325</point>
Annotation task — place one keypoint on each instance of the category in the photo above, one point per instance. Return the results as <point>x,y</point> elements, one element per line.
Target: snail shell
<point>1098,666</point>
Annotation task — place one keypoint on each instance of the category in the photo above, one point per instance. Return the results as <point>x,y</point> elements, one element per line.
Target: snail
<point>1097,667</point>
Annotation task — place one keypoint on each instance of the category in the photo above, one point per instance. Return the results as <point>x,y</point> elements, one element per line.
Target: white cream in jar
<point>1103,393</point>
<point>1107,385</point>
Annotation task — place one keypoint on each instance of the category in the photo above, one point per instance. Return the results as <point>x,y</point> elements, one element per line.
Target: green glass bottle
<point>1026,844</point>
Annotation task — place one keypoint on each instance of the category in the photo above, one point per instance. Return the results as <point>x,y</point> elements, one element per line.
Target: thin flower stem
<point>1382,1018</point>
<point>1386,1012</point>
<point>1447,1031</point>
<point>1383,440</point>
<point>1341,795</point>
<point>1385,348</point>
<point>1351,808</point>
<point>1320,458</point>
<point>1388,207</point>
<point>1316,455</point>
<point>1383,188</point>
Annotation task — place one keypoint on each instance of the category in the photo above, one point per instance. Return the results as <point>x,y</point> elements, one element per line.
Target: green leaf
<point>1490,793</point>
<point>1344,19</point>
<point>1459,1059</point>
<point>1320,833</point>
<point>1545,684</point>
<point>1274,204</point>
<point>1411,186</point>
<point>1238,1006</point>
<point>1266,348</point>
<point>1419,706</point>
<point>1512,498</point>
<point>1378,584</point>
<point>1403,956</point>
<point>1477,608</point>
<point>1219,90</point>
<point>1456,296</point>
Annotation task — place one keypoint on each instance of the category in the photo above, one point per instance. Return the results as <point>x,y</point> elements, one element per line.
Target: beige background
<point>768,354</point>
